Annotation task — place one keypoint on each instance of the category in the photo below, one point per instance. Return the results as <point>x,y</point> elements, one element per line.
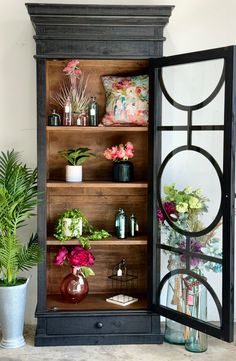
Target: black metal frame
<point>226,178</point>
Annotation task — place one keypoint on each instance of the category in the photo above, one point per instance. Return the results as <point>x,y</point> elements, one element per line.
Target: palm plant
<point>76,156</point>
<point>18,198</point>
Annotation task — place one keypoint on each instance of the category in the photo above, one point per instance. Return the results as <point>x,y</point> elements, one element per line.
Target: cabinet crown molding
<point>98,26</point>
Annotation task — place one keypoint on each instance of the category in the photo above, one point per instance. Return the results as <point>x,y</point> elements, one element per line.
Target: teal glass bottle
<point>121,224</point>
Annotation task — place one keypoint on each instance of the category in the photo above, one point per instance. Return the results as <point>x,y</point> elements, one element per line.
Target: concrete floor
<point>217,351</point>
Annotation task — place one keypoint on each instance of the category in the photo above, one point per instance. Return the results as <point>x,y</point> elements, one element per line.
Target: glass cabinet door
<point>193,136</point>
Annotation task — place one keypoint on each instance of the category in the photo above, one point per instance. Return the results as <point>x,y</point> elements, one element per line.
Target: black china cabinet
<point>188,142</point>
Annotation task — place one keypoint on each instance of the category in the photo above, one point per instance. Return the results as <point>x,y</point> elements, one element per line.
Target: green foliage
<point>88,230</point>
<point>18,198</point>
<point>187,200</point>
<point>76,156</point>
<point>87,272</point>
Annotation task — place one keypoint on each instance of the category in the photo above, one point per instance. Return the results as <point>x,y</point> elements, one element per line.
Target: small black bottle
<point>93,112</point>
<point>54,119</point>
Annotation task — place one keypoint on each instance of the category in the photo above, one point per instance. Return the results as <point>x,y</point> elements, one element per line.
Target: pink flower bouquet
<point>120,153</point>
<point>78,257</point>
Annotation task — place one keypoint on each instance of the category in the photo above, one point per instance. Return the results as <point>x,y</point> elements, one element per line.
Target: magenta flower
<point>78,257</point>
<point>195,246</point>
<point>61,256</point>
<point>170,209</point>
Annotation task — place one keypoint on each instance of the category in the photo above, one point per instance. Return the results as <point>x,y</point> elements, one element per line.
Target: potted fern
<point>75,158</point>
<point>18,198</point>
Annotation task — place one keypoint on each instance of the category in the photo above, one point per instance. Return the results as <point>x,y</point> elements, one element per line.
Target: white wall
<point>194,25</point>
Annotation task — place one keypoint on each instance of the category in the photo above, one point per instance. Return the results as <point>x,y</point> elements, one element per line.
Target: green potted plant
<point>75,158</point>
<point>18,198</point>
<point>73,224</point>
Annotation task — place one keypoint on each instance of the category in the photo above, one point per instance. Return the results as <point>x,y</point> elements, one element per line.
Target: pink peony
<point>61,256</point>
<point>80,257</point>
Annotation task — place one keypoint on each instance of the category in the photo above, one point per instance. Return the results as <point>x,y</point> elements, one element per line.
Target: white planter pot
<point>72,230</point>
<point>12,315</point>
<point>74,173</point>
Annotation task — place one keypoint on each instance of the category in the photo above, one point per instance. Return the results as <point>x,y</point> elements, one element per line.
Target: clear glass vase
<point>196,306</point>
<point>174,331</point>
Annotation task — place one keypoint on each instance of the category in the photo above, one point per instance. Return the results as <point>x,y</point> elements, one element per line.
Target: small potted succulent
<point>75,158</point>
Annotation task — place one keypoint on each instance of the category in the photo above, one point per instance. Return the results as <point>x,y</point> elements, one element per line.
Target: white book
<point>122,300</point>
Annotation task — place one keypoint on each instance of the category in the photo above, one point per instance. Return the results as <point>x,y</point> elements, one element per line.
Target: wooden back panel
<point>98,168</point>
<point>106,258</point>
<point>94,69</point>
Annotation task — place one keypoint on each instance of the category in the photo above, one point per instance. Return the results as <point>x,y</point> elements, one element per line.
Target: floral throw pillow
<point>126,100</point>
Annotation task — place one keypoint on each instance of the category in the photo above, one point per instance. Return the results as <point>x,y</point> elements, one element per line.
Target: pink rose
<point>121,153</point>
<point>80,257</point>
<point>61,256</point>
<point>129,153</point>
<point>129,146</point>
<point>107,154</point>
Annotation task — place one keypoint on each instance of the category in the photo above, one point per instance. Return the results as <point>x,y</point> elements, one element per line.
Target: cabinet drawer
<point>98,324</point>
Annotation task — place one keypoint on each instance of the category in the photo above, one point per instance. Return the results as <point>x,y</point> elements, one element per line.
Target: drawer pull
<point>99,325</point>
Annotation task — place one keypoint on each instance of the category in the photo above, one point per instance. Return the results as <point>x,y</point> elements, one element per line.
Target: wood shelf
<point>111,241</point>
<point>92,302</point>
<point>95,184</point>
<point>100,129</point>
